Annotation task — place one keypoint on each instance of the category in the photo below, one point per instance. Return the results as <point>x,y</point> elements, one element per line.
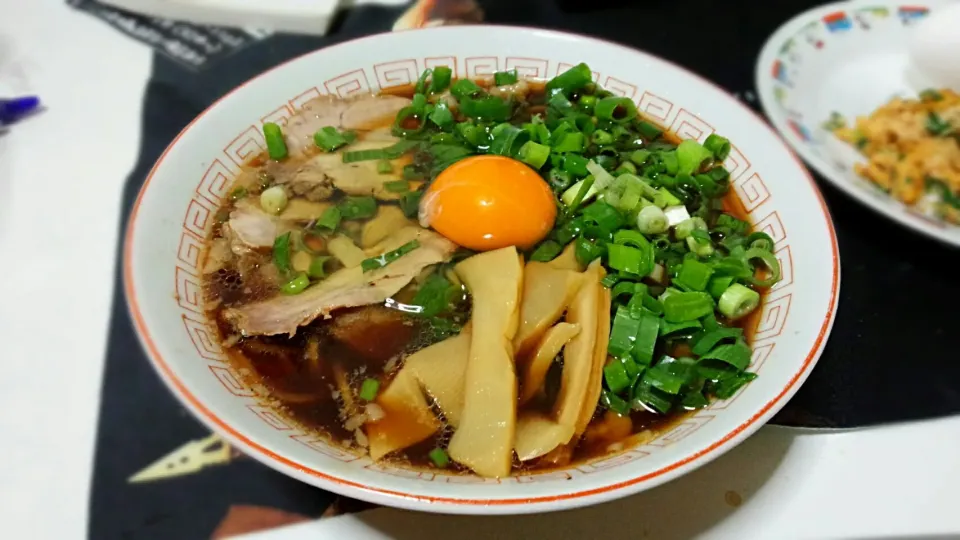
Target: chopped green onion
<point>930,94</point>
<point>718,146</point>
<point>503,78</point>
<point>397,186</point>
<point>587,251</point>
<point>685,306</point>
<point>369,389</point>
<point>238,193</point>
<point>571,80</point>
<point>464,88</point>
<point>615,375</point>
<point>718,285</point>
<point>276,146</point>
<point>734,225</point>
<point>671,162</point>
<point>616,109</point>
<point>738,301</point>
<point>317,270</point>
<point>329,139</point>
<point>296,285</point>
<point>625,259</point>
<point>646,341</point>
<point>441,115</point>
<point>626,168</point>
<point>577,193</point>
<point>281,253</point>
<point>668,328</point>
<point>601,137</point>
<point>936,125</point>
<point>440,458</point>
<point>727,387</point>
<point>421,85</point>
<point>559,180</point>
<point>736,354</point>
<point>434,296</point>
<point>329,219</point>
<point>508,140</point>
<point>273,200</point>
<point>690,156</point>
<point>651,220</point>
<point>441,79</point>
<point>669,375</point>
<point>694,275</point>
<point>388,257</point>
<point>575,164</point>
<point>408,122</point>
<point>384,167</point>
<point>546,251</point>
<point>605,216</point>
<point>651,398</point>
<point>760,240</point>
<point>704,343</point>
<point>623,334</point>
<point>587,103</point>
<point>770,261</point>
<point>488,108</point>
<point>410,203</point>
<point>390,152</point>
<point>569,142</point>
<point>686,228</point>
<point>615,403</point>
<point>648,130</point>
<point>362,207</point>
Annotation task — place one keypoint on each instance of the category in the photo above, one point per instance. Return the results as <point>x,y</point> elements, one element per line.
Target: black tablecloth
<point>890,357</point>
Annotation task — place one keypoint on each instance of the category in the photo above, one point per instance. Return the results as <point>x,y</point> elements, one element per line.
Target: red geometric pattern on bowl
<point>280,115</point>
<point>655,108</point>
<point>610,462</point>
<point>271,417</point>
<point>620,88</point>
<point>773,317</point>
<point>683,429</point>
<point>535,68</point>
<point>396,73</point>
<point>213,186</point>
<point>690,126</point>
<point>481,66</point>
<point>752,192</point>
<point>348,84</point>
<point>736,163</point>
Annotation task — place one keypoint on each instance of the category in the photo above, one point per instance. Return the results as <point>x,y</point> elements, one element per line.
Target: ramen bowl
<point>178,203</point>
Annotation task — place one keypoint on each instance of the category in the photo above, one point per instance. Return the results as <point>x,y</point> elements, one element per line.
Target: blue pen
<point>14,109</point>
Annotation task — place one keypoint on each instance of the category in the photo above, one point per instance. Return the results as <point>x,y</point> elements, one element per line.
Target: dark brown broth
<point>308,390</point>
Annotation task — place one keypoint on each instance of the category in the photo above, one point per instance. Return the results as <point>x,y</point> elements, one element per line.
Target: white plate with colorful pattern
<point>850,58</point>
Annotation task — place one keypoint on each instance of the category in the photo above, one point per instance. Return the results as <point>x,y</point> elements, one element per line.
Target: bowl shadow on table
<point>681,508</point>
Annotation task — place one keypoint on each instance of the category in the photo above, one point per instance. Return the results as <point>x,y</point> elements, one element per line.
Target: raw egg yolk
<point>489,202</point>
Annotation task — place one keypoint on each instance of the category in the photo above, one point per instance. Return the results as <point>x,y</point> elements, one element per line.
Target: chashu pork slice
<point>364,113</point>
<point>349,287</point>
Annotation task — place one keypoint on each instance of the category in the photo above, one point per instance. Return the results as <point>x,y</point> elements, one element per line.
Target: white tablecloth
<point>61,174</point>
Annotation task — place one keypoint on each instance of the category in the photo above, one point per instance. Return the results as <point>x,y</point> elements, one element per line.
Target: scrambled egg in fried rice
<point>912,148</point>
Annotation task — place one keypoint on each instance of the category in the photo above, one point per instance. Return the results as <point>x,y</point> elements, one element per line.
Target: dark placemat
<point>890,357</point>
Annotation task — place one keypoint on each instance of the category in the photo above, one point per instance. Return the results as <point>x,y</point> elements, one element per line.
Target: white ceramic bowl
<point>847,57</point>
<point>177,204</point>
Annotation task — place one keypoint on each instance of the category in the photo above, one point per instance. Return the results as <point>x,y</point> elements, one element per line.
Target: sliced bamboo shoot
<point>547,292</point>
<point>535,370</point>
<point>407,417</point>
<point>345,251</point>
<point>599,360</point>
<point>484,440</point>
<point>580,351</point>
<point>537,435</point>
<point>441,369</point>
<point>388,220</point>
<point>567,260</point>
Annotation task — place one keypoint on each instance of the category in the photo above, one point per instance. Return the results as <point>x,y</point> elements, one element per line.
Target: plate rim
<point>888,206</point>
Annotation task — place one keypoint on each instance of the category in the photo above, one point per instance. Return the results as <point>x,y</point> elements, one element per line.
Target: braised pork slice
<point>360,113</point>
<point>357,178</point>
<point>349,287</point>
<point>250,228</point>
